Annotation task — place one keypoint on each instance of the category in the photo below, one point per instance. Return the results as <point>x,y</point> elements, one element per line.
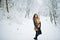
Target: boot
<point>35,38</point>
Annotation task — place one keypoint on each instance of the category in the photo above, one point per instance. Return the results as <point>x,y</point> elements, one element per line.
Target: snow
<point>24,29</point>
<point>19,28</point>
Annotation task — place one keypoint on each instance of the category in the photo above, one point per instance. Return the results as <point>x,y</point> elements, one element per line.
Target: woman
<point>37,24</point>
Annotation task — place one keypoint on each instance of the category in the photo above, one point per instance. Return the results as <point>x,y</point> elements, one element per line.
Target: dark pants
<point>38,33</point>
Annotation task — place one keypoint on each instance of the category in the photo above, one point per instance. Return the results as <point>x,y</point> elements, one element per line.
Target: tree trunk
<point>53,12</point>
<point>27,13</point>
<point>7,6</point>
<point>0,3</point>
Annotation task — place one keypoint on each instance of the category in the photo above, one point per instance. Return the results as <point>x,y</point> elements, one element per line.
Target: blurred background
<point>16,16</point>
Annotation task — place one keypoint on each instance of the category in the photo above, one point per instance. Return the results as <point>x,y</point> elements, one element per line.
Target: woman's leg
<point>36,35</point>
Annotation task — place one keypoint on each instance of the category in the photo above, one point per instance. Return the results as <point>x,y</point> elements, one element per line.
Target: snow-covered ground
<point>23,29</point>
<point>16,27</point>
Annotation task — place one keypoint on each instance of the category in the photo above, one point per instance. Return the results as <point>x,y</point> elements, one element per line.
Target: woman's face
<point>36,15</point>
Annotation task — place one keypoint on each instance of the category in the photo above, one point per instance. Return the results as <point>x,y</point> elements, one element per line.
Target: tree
<point>7,6</point>
<point>52,9</point>
<point>28,8</point>
<point>0,3</point>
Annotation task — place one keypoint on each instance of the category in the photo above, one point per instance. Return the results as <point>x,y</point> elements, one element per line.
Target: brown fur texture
<point>37,20</point>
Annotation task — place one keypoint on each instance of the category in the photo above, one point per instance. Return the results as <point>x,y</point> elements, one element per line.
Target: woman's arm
<point>35,23</point>
<point>39,25</point>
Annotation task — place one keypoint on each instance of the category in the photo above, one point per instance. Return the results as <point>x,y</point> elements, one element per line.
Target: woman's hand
<point>38,25</point>
<point>36,29</point>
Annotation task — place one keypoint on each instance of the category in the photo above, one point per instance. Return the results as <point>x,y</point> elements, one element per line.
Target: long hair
<point>34,16</point>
